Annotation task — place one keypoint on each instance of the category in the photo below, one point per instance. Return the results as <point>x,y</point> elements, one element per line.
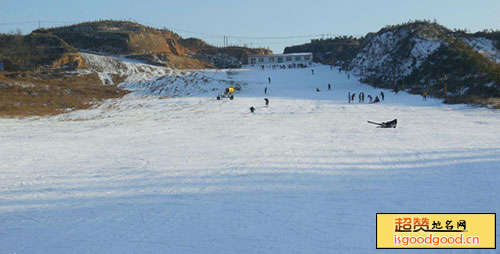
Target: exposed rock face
<point>23,53</point>
<point>70,61</point>
<point>118,38</point>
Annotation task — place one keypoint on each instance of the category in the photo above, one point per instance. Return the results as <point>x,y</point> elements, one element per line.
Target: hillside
<point>57,70</point>
<point>225,57</point>
<point>416,56</point>
<point>335,51</point>
<point>155,46</point>
<point>22,53</point>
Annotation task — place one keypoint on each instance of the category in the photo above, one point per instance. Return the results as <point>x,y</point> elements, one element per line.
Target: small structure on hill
<point>292,60</point>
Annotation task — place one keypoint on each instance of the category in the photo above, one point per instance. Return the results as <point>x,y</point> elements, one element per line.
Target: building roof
<point>283,55</point>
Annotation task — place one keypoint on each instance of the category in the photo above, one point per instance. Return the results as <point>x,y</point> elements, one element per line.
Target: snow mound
<point>105,66</point>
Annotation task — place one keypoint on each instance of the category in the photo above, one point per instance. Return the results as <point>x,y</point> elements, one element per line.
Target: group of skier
<point>266,100</point>
<point>351,97</point>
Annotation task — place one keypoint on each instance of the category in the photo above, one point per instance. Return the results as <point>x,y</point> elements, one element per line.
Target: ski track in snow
<point>153,174</point>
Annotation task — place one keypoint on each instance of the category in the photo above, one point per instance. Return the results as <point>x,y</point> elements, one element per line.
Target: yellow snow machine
<point>228,93</point>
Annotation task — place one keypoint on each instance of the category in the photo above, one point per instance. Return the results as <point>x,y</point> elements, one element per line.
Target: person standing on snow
<point>265,90</point>
<point>349,97</point>
<point>252,109</point>
<point>267,101</point>
<point>353,96</point>
<point>269,79</point>
<point>329,87</point>
<point>312,71</point>
<point>382,95</point>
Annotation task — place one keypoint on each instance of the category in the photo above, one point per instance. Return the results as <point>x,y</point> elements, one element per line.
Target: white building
<point>288,60</point>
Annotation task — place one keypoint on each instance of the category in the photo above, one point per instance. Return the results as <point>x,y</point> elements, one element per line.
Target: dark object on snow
<point>371,98</point>
<point>312,71</point>
<point>329,86</point>
<point>228,93</point>
<point>265,90</point>
<point>269,79</point>
<point>376,99</point>
<point>390,124</point>
<point>267,101</point>
<point>252,109</point>
<point>382,94</point>
<point>317,89</point>
<point>353,96</point>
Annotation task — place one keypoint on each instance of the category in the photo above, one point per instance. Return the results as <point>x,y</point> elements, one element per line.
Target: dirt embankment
<point>27,94</point>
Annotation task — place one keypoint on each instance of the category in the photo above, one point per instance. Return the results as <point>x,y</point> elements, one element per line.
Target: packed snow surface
<point>152,173</point>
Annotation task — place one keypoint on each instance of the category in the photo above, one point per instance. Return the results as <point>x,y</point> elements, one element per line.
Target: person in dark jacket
<point>267,101</point>
<point>329,86</point>
<point>265,90</point>
<point>382,95</point>
<point>377,100</point>
<point>252,109</point>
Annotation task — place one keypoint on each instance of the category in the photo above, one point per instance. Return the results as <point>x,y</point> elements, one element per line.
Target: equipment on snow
<point>390,124</point>
<point>228,93</point>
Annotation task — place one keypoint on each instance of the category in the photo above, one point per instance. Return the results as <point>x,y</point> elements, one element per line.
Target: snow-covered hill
<point>394,54</point>
<point>484,46</point>
<point>190,174</point>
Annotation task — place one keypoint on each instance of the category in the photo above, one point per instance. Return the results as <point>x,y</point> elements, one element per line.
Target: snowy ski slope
<point>151,173</point>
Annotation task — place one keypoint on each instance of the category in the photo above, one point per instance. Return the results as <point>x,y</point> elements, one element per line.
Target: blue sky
<point>210,20</point>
